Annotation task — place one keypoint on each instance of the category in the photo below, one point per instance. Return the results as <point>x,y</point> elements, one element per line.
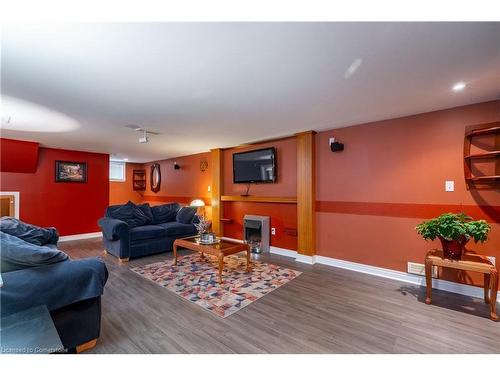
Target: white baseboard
<point>293,254</point>
<point>272,249</point>
<point>305,259</point>
<point>284,252</point>
<point>82,236</point>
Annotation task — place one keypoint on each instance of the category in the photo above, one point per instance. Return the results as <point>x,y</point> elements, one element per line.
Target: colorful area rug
<point>196,281</point>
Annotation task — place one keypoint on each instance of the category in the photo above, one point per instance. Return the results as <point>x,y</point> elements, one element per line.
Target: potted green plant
<point>454,231</point>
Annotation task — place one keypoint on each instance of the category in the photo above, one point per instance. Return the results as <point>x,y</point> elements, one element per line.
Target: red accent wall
<point>18,156</point>
<point>72,208</point>
<point>122,192</point>
<point>389,178</point>
<point>283,216</point>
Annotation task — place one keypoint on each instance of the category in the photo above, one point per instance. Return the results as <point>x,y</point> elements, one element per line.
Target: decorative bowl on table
<point>208,239</point>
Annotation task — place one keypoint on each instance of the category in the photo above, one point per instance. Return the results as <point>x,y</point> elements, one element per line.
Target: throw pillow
<point>28,232</point>
<point>17,254</point>
<point>165,213</point>
<point>146,210</point>
<point>186,215</point>
<point>130,214</point>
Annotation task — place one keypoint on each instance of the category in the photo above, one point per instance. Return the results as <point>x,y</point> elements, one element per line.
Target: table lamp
<point>199,203</point>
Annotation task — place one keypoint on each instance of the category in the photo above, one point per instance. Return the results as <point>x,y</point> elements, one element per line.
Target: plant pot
<point>453,249</point>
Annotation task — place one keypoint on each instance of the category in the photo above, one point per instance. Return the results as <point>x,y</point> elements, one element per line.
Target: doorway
<point>9,204</point>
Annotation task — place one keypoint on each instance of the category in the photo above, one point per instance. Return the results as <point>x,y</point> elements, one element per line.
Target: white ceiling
<point>206,85</point>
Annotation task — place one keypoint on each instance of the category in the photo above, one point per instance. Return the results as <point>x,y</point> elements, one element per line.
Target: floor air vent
<point>419,269</point>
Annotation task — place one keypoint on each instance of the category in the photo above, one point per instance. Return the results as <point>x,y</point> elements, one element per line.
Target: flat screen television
<point>255,166</point>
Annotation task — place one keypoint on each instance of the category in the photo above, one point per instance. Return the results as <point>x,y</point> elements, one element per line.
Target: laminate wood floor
<point>324,310</point>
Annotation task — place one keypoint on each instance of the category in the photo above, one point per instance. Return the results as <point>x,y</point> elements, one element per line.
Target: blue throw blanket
<point>55,285</point>
<point>28,232</point>
<point>16,254</point>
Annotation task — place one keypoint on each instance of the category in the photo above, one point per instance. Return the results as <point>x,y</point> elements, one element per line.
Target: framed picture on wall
<point>71,171</point>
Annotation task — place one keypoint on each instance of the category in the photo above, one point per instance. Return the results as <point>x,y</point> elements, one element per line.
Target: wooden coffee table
<point>219,250</point>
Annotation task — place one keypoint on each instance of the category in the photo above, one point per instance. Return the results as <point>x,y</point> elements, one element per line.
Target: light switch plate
<point>273,231</point>
<point>449,186</point>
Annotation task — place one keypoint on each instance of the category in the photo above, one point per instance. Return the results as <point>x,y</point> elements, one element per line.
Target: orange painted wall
<point>286,161</point>
<point>389,178</point>
<point>283,216</point>
<point>181,185</point>
<point>122,192</point>
<point>370,196</point>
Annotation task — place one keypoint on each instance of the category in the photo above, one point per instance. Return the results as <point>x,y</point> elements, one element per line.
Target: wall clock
<point>203,165</point>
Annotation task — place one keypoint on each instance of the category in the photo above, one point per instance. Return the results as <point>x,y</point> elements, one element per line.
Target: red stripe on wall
<point>408,210</point>
<point>168,198</point>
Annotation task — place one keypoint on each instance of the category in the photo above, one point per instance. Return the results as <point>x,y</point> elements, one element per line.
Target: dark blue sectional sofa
<point>36,273</point>
<point>132,231</point>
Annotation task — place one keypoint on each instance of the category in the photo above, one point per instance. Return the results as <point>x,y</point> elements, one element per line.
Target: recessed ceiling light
<point>459,86</point>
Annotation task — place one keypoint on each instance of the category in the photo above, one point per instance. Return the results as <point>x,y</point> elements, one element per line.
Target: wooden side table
<point>469,262</point>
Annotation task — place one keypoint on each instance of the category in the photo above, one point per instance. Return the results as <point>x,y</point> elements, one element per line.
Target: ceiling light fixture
<point>459,86</point>
<point>146,133</point>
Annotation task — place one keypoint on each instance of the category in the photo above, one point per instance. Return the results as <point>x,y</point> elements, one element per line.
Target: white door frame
<point>16,201</point>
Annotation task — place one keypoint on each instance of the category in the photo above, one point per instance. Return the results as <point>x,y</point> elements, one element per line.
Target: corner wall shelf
<point>484,155</point>
<point>493,129</point>
<point>484,179</point>
<point>139,179</point>
<point>490,129</point>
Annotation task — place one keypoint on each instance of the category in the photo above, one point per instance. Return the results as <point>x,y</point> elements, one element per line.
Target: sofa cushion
<point>146,232</point>
<point>186,215</point>
<point>17,254</point>
<point>146,210</point>
<point>178,229</point>
<point>28,232</point>
<point>130,214</point>
<point>110,209</point>
<point>165,212</point>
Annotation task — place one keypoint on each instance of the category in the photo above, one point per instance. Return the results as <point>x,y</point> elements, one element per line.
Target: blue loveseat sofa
<point>34,273</point>
<point>132,231</point>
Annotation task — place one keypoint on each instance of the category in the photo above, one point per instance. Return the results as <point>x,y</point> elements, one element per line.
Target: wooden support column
<point>497,160</point>
<point>216,189</point>
<point>306,193</point>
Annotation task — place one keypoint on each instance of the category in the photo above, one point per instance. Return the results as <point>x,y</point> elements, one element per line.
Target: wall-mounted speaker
<point>336,146</point>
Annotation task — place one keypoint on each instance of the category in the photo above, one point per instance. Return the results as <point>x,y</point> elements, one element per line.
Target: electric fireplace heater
<point>256,232</point>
